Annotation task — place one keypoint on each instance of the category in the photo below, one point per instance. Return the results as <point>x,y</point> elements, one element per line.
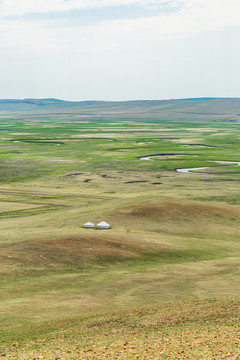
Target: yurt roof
<point>89,223</point>
<point>103,223</point>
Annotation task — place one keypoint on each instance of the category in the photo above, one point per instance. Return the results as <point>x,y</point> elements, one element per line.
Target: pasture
<point>167,272</point>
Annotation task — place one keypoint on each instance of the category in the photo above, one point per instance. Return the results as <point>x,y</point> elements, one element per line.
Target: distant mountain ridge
<point>229,108</point>
<point>31,100</point>
<point>53,100</point>
<point>209,98</point>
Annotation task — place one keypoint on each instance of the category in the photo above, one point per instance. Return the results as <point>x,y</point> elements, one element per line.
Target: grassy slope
<point>174,237</point>
<point>206,329</point>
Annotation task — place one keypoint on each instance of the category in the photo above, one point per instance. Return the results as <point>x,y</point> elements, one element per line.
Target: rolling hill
<point>213,107</point>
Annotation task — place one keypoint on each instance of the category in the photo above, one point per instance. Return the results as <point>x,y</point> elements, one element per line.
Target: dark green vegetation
<point>100,135</point>
<point>174,236</point>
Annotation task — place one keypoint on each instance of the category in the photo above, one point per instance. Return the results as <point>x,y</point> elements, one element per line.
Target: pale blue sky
<point>119,50</point>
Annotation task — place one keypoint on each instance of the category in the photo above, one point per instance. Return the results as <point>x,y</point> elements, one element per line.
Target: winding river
<point>149,157</point>
<point>195,170</point>
<point>192,170</point>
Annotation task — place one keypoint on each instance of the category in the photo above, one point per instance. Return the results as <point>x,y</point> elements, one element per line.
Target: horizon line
<point>129,100</point>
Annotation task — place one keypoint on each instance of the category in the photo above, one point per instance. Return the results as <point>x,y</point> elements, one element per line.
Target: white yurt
<point>88,225</point>
<point>103,225</point>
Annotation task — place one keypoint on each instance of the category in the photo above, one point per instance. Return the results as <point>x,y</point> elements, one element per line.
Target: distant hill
<point>227,108</point>
<point>26,104</point>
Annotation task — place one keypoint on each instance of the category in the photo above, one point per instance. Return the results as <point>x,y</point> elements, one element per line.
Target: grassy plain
<point>163,283</point>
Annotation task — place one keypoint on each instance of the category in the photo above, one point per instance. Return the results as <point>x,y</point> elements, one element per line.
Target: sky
<point>119,49</point>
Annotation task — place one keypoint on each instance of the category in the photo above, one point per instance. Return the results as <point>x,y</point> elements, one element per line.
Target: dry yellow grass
<point>185,210</point>
<point>152,287</point>
<point>163,246</point>
<point>194,330</point>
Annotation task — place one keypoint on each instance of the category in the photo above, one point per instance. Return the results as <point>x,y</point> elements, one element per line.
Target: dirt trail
<point>34,203</point>
<point>20,192</point>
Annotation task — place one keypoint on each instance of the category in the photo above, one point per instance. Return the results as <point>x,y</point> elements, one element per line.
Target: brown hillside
<point>181,210</point>
<point>71,250</point>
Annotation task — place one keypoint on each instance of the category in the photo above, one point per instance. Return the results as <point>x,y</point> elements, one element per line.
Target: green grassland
<point>163,282</point>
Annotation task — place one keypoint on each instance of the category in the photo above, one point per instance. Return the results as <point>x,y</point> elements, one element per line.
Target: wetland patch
<point>75,174</point>
<point>199,145</point>
<point>136,181</point>
<point>46,142</point>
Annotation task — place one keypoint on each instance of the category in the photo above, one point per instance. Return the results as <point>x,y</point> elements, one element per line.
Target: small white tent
<point>103,225</point>
<point>88,225</point>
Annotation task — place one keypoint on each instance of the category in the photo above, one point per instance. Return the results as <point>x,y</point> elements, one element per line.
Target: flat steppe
<point>163,282</point>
